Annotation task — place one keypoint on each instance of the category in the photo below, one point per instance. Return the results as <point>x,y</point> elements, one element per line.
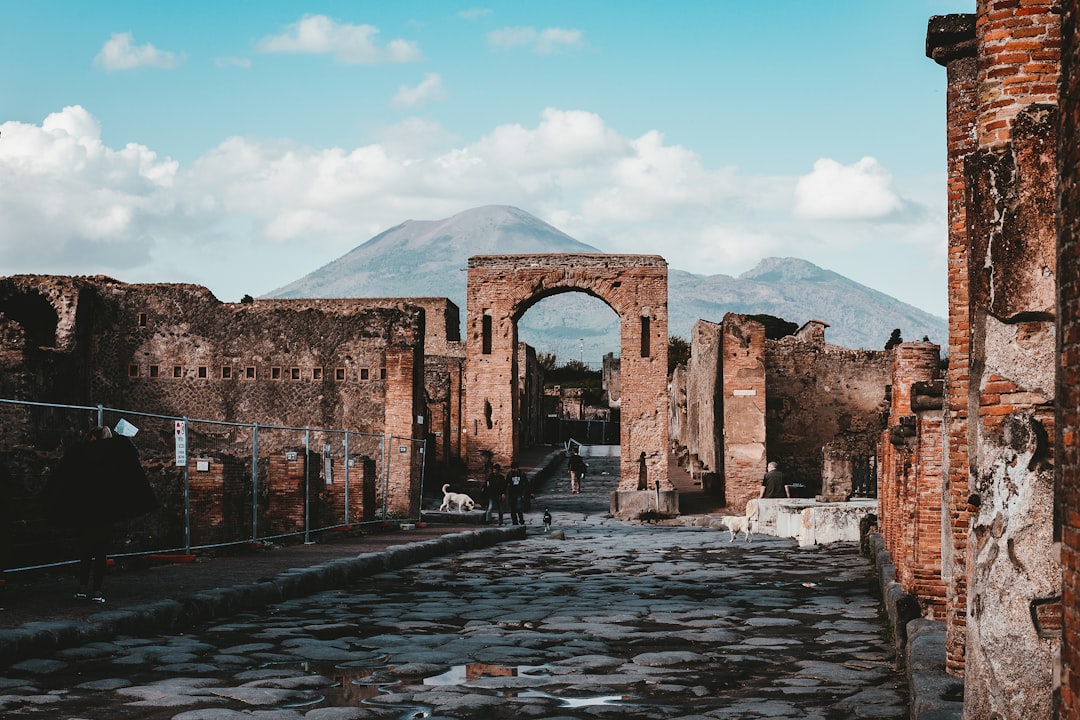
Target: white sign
<point>744,393</point>
<point>181,443</point>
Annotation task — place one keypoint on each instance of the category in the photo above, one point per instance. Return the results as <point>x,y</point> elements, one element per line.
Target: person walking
<point>495,492</point>
<point>577,469</point>
<point>98,483</point>
<point>517,488</point>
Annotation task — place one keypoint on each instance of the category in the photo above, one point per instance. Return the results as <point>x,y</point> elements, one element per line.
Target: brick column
<point>1067,440</point>
<point>1010,186</point>
<point>950,41</point>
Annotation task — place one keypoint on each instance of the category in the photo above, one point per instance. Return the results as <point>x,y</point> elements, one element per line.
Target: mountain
<point>430,258</point>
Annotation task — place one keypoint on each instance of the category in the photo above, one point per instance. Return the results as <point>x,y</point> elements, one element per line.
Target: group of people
<point>506,493</point>
<point>512,492</point>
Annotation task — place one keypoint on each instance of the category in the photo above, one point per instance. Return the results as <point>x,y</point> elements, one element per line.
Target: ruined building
<point>744,400</point>
<point>984,530</point>
<point>377,368</point>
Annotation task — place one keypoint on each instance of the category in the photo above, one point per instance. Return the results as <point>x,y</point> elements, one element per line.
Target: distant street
<point>616,620</point>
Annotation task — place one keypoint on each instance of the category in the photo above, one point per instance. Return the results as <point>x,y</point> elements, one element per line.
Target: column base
<point>636,504</point>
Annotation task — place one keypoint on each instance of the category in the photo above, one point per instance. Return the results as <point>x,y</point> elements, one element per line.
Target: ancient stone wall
<point>950,42</point>
<point>1067,427</point>
<point>742,398</point>
<point>176,351</point>
<point>503,287</point>
<point>820,394</point>
<point>741,393</point>
<point>1010,185</point>
<point>1002,121</point>
<point>910,488</point>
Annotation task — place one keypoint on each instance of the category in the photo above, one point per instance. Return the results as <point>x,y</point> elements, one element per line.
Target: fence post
<point>307,486</point>
<point>187,489</point>
<point>384,445</point>
<point>254,481</point>
<point>346,443</point>
<point>423,467</point>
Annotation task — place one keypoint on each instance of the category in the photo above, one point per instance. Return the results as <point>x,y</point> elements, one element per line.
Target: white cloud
<point>118,53</point>
<point>474,14</point>
<point>241,62</point>
<point>543,42</point>
<point>429,89</point>
<point>252,214</point>
<point>833,191</point>
<point>354,44</point>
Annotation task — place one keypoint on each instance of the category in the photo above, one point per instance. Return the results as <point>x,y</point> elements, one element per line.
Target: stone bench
<point>812,522</point>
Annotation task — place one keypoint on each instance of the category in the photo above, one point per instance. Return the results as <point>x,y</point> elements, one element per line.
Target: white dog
<point>463,501</point>
<point>737,524</point>
<point>742,523</point>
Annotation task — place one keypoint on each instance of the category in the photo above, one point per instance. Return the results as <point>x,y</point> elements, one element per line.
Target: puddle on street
<point>462,674</point>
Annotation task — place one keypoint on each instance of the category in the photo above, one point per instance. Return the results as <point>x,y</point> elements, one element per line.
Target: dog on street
<point>463,501</point>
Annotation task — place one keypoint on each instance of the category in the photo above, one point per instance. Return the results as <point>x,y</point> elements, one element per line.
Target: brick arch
<point>502,288</point>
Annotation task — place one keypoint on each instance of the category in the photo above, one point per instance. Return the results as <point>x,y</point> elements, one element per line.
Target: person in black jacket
<point>99,482</point>
<point>577,469</point>
<point>495,492</point>
<point>517,489</point>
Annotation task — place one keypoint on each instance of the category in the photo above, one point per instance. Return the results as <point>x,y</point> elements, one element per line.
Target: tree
<point>547,360</point>
<point>247,299</point>
<point>894,339</point>
<point>678,352</point>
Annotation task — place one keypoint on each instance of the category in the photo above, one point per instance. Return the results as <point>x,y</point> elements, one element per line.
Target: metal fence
<point>217,483</point>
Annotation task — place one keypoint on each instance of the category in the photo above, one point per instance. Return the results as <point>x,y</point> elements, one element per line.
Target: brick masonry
<point>501,288</point>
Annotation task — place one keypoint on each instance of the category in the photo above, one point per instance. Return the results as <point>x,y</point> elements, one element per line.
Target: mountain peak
<point>776,269</point>
<point>429,258</point>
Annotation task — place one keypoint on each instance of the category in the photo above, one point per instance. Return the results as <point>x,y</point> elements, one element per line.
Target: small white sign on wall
<point>743,393</point>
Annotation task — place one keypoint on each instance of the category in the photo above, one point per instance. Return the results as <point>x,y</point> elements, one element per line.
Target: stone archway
<point>501,288</point>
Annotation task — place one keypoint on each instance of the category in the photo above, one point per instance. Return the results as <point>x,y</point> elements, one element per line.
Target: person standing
<point>577,469</point>
<point>98,483</point>
<point>495,492</point>
<point>772,485</point>
<point>517,488</point>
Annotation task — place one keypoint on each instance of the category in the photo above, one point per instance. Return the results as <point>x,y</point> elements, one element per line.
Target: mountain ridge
<point>428,258</point>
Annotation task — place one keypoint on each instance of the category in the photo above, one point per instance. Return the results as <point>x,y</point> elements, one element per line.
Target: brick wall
<point>951,42</point>
<point>743,397</point>
<point>1067,439</point>
<point>501,288</point>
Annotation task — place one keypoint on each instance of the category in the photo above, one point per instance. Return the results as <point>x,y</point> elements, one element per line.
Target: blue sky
<point>241,145</point>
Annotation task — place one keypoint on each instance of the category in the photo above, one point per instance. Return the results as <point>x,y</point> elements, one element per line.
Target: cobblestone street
<point>612,619</point>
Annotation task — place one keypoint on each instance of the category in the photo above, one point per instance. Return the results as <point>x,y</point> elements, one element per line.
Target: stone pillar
<point>404,407</point>
<point>742,397</point>
<point>950,41</point>
<point>903,490</point>
<point>1067,427</point>
<point>1014,574</point>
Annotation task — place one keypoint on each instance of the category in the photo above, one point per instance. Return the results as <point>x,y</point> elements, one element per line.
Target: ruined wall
<point>1067,435</point>
<point>950,41</point>
<point>910,487</point>
<point>742,399</point>
<point>175,350</point>
<point>741,393</point>
<point>1013,570</point>
<point>702,422</point>
<point>1003,66</point>
<point>611,380</point>
<point>820,394</point>
<point>503,287</point>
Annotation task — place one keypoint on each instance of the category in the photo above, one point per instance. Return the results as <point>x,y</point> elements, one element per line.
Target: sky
<point>242,145</point>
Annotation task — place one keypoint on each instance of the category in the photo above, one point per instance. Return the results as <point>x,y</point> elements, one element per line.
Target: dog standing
<point>737,524</point>
<point>463,501</point>
<point>742,523</point>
